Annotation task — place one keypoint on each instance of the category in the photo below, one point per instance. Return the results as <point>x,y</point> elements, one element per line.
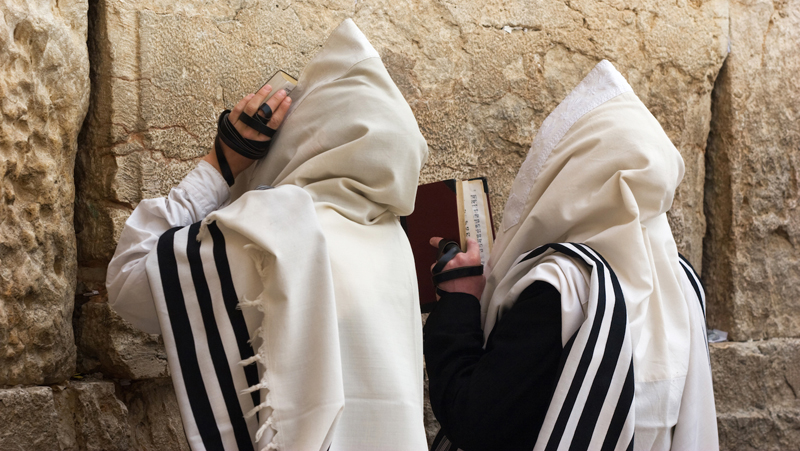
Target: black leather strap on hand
<point>248,148</point>
<point>447,251</point>
<point>224,167</point>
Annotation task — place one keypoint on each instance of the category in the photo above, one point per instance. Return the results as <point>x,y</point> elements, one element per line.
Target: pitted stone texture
<point>757,394</point>
<point>759,430</point>
<point>164,70</point>
<point>153,416</point>
<point>29,420</point>
<point>44,93</point>
<point>83,416</point>
<point>756,375</point>
<point>99,419</point>
<point>110,345</point>
<point>751,257</point>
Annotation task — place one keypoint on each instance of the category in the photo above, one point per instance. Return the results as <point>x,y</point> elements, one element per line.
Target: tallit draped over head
<point>323,272</point>
<point>602,172</point>
<point>352,143</point>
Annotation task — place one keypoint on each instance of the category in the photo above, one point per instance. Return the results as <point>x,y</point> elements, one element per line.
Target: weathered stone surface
<point>154,418</point>
<point>752,250</point>
<point>29,421</point>
<point>162,71</point>
<point>757,394</point>
<point>83,416</point>
<point>99,419</point>
<point>110,345</point>
<point>759,430</point>
<point>756,375</point>
<point>44,93</point>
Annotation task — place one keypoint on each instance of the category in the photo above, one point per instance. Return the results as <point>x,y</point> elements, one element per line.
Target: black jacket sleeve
<point>497,398</point>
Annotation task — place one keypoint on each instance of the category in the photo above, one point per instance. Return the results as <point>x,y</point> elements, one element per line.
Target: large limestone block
<point>84,416</point>
<point>44,94</point>
<point>99,418</point>
<point>153,416</point>
<point>29,420</point>
<point>751,256</point>
<point>756,375</point>
<point>480,76</point>
<point>760,430</point>
<point>110,345</point>
<point>757,394</point>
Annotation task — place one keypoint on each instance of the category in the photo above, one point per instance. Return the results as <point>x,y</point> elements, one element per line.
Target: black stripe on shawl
<point>620,413</point>
<point>597,393</point>
<point>694,279</point>
<point>184,342</point>
<point>231,302</point>
<point>605,371</point>
<point>586,357</point>
<point>215,347</point>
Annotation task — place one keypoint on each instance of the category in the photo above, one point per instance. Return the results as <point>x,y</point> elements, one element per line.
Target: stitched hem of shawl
<point>602,84</point>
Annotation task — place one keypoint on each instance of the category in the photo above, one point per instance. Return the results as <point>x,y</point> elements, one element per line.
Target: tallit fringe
<point>260,258</point>
<point>204,228</point>
<point>258,386</point>
<point>251,360</point>
<point>263,428</point>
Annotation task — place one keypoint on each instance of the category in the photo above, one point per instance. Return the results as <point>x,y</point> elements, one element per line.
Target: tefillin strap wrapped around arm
<point>248,148</point>
<point>447,251</point>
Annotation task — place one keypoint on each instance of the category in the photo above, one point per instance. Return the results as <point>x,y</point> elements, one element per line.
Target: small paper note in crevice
<point>717,336</point>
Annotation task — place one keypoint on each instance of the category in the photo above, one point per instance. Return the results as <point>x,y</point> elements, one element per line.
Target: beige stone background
<point>108,102</point>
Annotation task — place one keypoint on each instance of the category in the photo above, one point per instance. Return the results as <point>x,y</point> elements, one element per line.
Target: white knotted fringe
<point>251,360</point>
<point>263,428</point>
<point>261,259</point>
<point>258,386</point>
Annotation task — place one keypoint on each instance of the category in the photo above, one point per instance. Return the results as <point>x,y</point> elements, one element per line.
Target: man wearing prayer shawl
<point>590,331</point>
<point>290,315</point>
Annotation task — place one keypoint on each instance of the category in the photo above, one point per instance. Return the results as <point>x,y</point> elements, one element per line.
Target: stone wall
<point>44,93</point>
<point>752,249</point>
<point>479,76</point>
<point>751,255</point>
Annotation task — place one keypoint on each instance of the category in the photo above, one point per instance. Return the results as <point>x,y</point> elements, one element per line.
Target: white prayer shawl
<point>602,172</point>
<point>329,291</point>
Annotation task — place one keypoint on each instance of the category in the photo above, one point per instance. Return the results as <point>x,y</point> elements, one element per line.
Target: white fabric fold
<point>601,171</point>
<point>202,191</point>
<point>317,274</point>
<point>299,331</point>
<point>352,143</point>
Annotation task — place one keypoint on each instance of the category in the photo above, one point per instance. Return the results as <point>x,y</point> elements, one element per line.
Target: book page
<point>476,217</point>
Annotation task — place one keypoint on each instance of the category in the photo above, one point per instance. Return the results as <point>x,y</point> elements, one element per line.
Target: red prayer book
<point>454,210</point>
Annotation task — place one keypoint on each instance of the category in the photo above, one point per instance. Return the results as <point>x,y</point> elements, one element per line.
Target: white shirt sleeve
<point>201,192</point>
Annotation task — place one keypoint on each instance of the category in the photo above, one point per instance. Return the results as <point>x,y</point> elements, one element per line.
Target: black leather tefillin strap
<point>447,251</point>
<point>248,148</point>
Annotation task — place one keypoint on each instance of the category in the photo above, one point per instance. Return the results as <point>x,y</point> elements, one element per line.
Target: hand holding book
<point>472,257</point>
<point>456,210</point>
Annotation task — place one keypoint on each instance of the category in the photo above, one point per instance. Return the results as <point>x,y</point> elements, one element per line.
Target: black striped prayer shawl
<point>206,338</point>
<point>592,345</point>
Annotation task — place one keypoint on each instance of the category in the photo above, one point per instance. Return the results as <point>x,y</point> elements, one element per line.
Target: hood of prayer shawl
<point>351,143</point>
<point>350,138</point>
<point>601,171</point>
